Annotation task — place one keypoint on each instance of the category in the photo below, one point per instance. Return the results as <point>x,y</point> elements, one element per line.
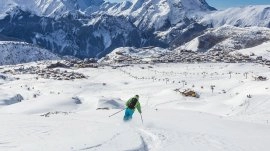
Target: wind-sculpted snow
<point>110,103</point>
<point>21,52</point>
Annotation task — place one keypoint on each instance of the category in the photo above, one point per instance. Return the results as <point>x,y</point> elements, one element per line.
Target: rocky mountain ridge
<point>87,29</point>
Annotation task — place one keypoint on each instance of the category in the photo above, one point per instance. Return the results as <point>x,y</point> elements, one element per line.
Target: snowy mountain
<point>240,17</point>
<point>50,8</point>
<point>162,14</point>
<point>81,37</point>
<point>172,22</point>
<point>95,28</point>
<point>228,38</point>
<point>86,29</point>
<point>21,52</point>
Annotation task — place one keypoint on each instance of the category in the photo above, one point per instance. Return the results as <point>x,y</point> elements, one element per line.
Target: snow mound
<point>110,103</point>
<point>21,52</point>
<point>43,104</point>
<point>9,100</point>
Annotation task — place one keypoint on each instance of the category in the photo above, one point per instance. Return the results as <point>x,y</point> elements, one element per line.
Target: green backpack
<point>132,103</point>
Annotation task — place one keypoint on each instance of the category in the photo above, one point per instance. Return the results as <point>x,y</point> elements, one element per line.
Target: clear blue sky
<point>222,4</point>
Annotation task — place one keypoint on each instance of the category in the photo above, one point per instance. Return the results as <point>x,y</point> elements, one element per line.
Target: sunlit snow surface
<point>225,120</point>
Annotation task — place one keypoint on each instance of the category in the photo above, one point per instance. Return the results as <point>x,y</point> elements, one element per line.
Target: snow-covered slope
<point>131,53</point>
<point>224,119</point>
<point>21,52</point>
<point>228,38</point>
<point>262,50</point>
<point>257,15</point>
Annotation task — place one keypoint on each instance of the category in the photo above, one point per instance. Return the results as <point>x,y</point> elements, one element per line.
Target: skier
<point>131,104</point>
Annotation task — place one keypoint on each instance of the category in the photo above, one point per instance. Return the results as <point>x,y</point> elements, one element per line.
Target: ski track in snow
<point>148,140</point>
<point>211,141</point>
<point>152,141</point>
<point>101,144</point>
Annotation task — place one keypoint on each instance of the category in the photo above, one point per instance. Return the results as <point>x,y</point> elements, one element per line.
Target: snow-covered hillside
<point>131,53</point>
<point>262,50</point>
<point>257,15</point>
<point>62,115</point>
<point>228,38</point>
<point>21,52</point>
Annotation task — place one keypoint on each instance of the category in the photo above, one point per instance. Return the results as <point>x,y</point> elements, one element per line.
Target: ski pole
<point>141,118</point>
<point>116,113</point>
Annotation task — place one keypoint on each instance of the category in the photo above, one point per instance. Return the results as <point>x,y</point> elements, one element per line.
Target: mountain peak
<point>49,7</point>
<point>160,14</point>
